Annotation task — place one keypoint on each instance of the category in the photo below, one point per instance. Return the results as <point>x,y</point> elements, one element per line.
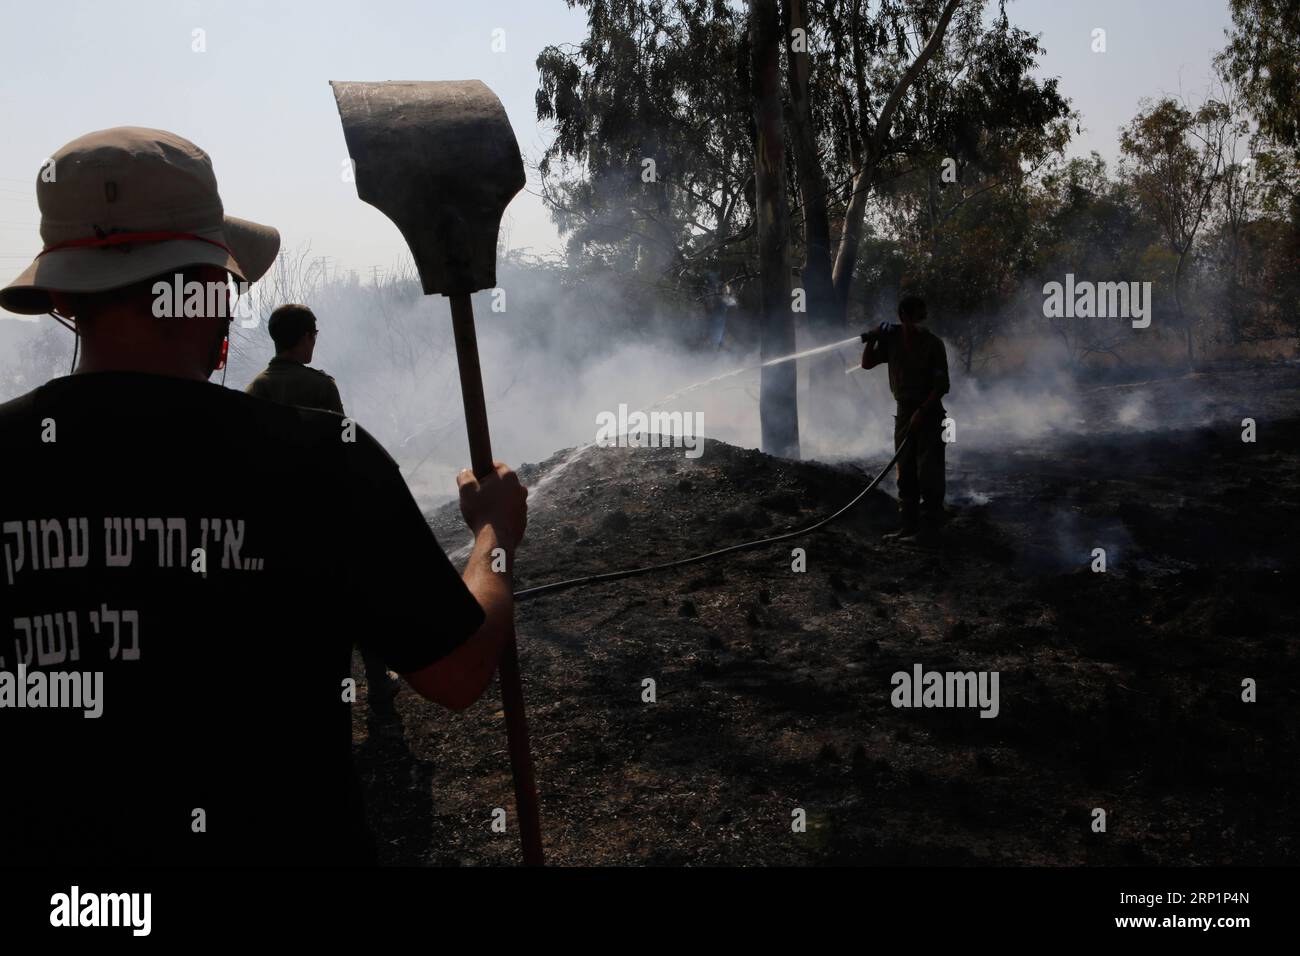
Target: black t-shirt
<point>223,689</point>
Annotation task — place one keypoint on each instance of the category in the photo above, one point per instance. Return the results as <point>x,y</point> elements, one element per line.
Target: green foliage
<point>1215,227</point>
<point>633,91</point>
<point>1175,160</point>
<point>1263,56</point>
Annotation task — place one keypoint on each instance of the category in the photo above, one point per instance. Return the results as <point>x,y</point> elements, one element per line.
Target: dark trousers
<point>921,465</point>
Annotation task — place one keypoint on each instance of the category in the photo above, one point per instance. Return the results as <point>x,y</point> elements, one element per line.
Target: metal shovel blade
<point>439,159</point>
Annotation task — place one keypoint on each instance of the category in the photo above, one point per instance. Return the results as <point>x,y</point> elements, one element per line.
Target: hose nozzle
<point>875,333</point>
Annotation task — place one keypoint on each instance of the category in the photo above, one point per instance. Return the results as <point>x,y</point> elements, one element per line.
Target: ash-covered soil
<point>1120,690</point>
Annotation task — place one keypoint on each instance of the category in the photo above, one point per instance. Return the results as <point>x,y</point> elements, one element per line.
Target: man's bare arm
<point>923,410</point>
<point>874,353</point>
<point>496,511</point>
<point>460,678</point>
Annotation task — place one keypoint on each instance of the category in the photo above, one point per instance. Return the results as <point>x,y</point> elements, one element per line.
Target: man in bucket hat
<point>160,534</point>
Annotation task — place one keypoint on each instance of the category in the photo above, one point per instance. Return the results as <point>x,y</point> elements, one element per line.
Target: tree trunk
<point>1234,289</point>
<point>851,236</point>
<point>824,320</point>
<point>873,149</point>
<point>778,405</point>
<point>812,182</point>
<point>1178,304</point>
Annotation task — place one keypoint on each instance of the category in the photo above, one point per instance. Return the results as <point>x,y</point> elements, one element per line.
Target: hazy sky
<point>258,98</point>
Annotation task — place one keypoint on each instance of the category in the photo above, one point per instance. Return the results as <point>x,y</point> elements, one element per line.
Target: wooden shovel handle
<point>512,690</point>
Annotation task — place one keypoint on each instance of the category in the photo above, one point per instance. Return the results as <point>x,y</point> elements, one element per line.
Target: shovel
<point>440,160</point>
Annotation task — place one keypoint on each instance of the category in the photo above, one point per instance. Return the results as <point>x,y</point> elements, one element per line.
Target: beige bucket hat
<point>122,205</point>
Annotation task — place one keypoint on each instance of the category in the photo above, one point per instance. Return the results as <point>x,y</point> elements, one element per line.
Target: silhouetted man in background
<point>290,380</point>
<point>918,380</point>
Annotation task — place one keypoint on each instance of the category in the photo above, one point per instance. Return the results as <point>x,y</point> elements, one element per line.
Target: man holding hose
<point>918,379</point>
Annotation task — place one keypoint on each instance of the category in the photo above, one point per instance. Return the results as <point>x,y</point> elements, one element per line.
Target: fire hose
<point>529,593</point>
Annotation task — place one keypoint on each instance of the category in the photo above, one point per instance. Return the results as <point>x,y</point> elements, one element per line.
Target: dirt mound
<point>1119,690</point>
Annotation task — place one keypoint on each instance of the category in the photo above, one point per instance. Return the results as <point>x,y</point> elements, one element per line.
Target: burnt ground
<point>1119,690</point>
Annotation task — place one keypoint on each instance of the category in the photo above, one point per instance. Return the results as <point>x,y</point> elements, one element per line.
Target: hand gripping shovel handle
<point>512,691</point>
